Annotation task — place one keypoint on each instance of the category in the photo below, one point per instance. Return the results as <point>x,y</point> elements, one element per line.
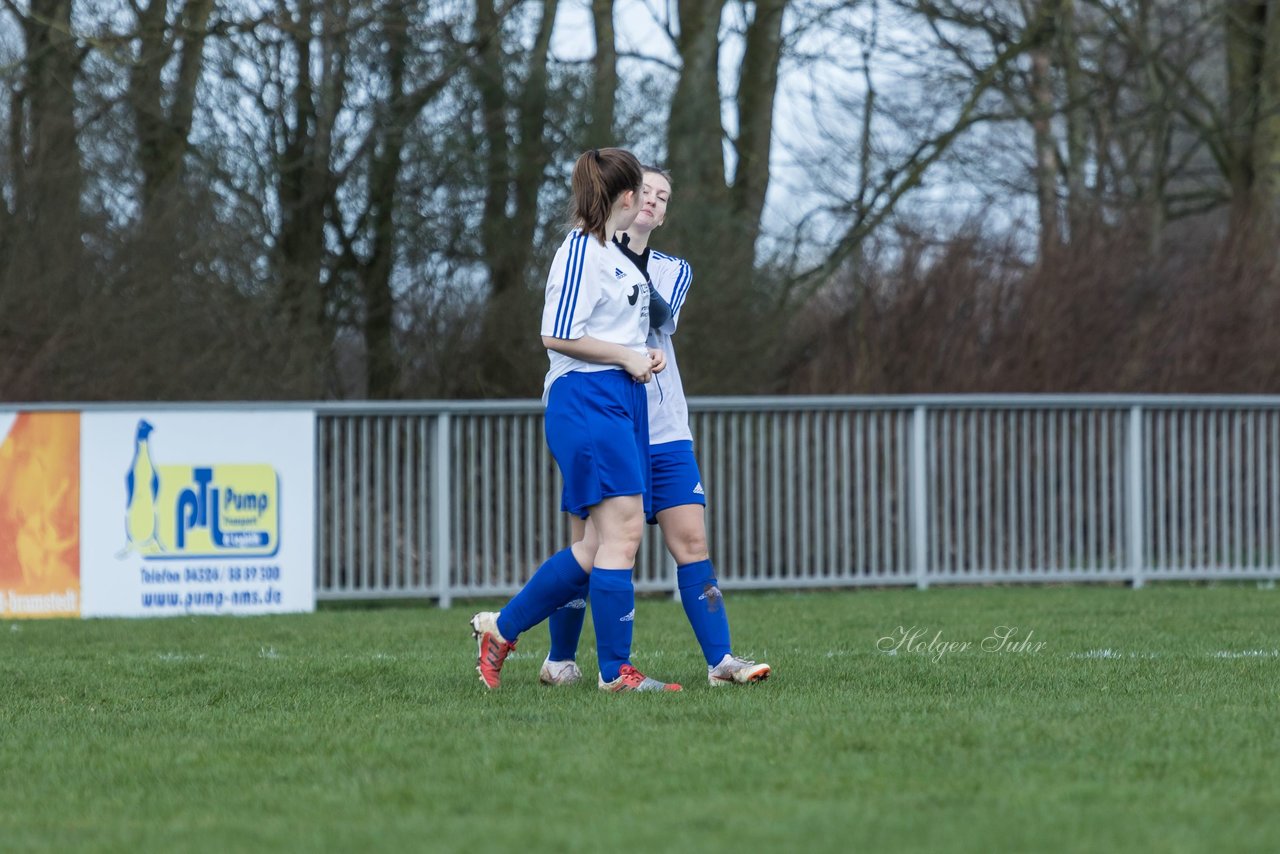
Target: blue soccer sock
<point>557,581</point>
<point>613,613</point>
<point>704,606</point>
<point>566,624</point>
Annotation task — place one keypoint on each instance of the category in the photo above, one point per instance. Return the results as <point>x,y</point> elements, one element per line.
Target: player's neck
<point>638,241</point>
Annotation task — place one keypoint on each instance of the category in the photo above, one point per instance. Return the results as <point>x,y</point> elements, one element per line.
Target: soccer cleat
<point>493,648</point>
<point>559,672</point>
<point>630,679</point>
<point>737,671</point>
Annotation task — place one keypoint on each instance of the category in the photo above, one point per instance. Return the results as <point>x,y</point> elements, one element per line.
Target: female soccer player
<point>595,321</point>
<point>679,501</point>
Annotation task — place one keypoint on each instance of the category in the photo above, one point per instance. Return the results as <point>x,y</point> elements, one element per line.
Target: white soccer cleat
<point>559,672</point>
<point>737,671</point>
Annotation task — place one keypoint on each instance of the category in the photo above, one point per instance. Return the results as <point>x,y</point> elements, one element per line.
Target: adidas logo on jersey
<point>697,490</point>
<point>618,274</point>
<point>629,618</point>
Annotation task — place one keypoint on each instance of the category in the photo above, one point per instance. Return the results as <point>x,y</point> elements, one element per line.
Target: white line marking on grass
<point>1224,653</point>
<point>1111,653</point>
<point>1097,653</point>
<point>520,656</point>
<point>269,652</point>
<point>1248,653</point>
<point>180,656</point>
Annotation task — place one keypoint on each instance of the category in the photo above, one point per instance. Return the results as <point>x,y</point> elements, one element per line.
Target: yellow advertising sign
<point>40,515</point>
<point>199,511</point>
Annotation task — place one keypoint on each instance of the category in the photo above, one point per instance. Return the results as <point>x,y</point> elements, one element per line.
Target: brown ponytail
<point>600,176</point>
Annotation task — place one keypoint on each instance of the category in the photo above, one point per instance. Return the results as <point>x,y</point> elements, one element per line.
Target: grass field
<point>1147,720</point>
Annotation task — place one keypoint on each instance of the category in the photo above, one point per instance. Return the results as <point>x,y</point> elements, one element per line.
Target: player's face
<point>653,202</point>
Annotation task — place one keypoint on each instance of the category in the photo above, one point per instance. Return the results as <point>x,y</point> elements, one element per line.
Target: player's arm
<point>660,313</point>
<point>671,285</point>
<point>588,349</point>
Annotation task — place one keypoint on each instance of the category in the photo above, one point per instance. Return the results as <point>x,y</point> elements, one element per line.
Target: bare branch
<point>901,179</point>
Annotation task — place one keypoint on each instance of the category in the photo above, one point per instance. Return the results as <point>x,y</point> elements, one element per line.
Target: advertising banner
<point>39,514</point>
<point>197,512</point>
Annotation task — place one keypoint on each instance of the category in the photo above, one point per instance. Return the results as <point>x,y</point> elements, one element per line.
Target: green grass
<point>1146,722</point>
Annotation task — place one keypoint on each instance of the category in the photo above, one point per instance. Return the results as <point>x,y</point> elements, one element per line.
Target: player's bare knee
<point>630,537</point>
<point>689,549</point>
<point>584,552</point>
<point>621,546</point>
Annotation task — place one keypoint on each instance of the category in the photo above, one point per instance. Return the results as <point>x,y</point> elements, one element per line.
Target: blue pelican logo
<point>142,486</point>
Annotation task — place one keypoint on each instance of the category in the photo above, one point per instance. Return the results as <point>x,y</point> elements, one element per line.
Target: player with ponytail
<point>595,324</point>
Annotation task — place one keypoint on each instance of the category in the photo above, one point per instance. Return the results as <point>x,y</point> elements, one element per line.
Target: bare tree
<point>163,109</point>
<point>296,198</point>
<point>44,265</point>
<point>306,177</point>
<point>1253,106</point>
<point>717,220</point>
<point>513,84</point>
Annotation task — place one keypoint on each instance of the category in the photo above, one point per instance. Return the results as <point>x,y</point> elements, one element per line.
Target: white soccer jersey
<point>668,409</point>
<point>593,290</point>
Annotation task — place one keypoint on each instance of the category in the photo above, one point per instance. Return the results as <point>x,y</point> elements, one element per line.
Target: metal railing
<point>460,499</point>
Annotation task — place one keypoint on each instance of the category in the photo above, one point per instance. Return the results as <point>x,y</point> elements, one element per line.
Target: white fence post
<point>440,509</point>
<point>1135,526</point>
<point>919,499</point>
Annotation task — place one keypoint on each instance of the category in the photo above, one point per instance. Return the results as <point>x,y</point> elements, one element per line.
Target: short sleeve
<point>573,288</point>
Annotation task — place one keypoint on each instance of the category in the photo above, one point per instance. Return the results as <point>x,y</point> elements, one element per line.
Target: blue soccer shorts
<point>676,478</point>
<point>597,426</point>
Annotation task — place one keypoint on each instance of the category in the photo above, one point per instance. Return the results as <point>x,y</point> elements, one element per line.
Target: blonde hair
<point>649,169</point>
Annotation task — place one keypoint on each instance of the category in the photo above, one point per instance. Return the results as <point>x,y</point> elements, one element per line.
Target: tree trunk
<point>305,185</point>
<point>1156,185</point>
<point>1078,206</point>
<point>489,78</point>
<point>530,156</point>
<point>164,131</point>
<point>384,174</point>
<point>43,266</point>
<point>694,131</point>
<point>1266,141</point>
<point>715,224</point>
<point>1046,155</point>
<point>604,84</point>
<point>1245,22</point>
<point>756,90</point>
<point>54,175</point>
<point>514,170</point>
